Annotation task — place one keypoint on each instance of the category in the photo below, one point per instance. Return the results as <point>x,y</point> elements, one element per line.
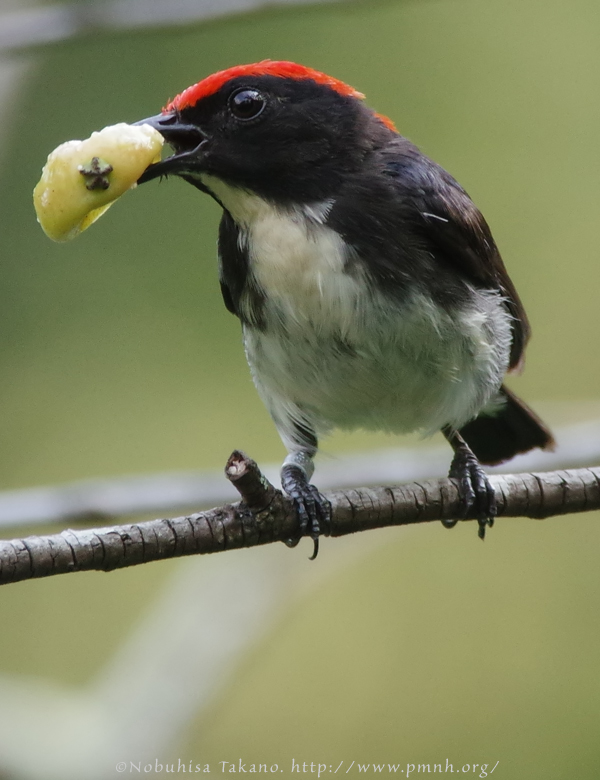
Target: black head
<point>283,131</point>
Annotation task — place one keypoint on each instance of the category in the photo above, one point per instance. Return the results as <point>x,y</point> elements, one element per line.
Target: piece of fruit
<point>81,179</point>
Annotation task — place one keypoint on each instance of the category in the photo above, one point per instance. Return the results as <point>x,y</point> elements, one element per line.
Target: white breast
<point>295,259</point>
<point>335,352</point>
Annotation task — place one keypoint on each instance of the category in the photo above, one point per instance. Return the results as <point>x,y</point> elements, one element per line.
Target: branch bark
<point>106,500</point>
<point>265,515</point>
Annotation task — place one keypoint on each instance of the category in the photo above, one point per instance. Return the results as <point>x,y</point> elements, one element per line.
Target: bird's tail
<point>513,429</point>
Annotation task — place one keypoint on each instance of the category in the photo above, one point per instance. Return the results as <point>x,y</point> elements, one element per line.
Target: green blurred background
<point>118,357</point>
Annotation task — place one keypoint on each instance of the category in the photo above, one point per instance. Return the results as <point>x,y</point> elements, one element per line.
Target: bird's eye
<point>247,104</point>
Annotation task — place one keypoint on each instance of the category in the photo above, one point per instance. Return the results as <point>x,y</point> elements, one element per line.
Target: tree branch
<point>265,515</point>
<point>106,500</point>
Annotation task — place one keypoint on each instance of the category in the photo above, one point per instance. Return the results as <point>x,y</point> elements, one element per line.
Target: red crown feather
<point>282,69</point>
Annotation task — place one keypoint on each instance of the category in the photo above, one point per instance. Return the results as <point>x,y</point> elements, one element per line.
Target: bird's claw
<point>474,490</point>
<point>312,509</point>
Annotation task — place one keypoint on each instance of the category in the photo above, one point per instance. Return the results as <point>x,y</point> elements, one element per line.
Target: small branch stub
<point>264,510</point>
<point>254,488</point>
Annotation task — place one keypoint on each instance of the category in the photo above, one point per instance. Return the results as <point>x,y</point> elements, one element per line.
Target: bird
<point>370,290</point>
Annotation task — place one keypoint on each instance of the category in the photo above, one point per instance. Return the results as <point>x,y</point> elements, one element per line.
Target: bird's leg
<point>475,489</point>
<point>313,510</point>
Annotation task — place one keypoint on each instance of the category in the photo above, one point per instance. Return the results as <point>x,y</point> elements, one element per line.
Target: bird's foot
<point>313,509</point>
<point>474,489</point>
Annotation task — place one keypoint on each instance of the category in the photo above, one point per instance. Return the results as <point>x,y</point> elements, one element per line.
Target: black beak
<point>186,140</point>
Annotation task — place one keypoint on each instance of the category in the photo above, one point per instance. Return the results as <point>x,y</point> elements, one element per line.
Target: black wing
<point>233,263</point>
<point>435,231</point>
<point>240,295</point>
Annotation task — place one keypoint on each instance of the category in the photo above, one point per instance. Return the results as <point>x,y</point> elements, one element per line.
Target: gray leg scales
<point>475,490</point>
<point>313,510</point>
